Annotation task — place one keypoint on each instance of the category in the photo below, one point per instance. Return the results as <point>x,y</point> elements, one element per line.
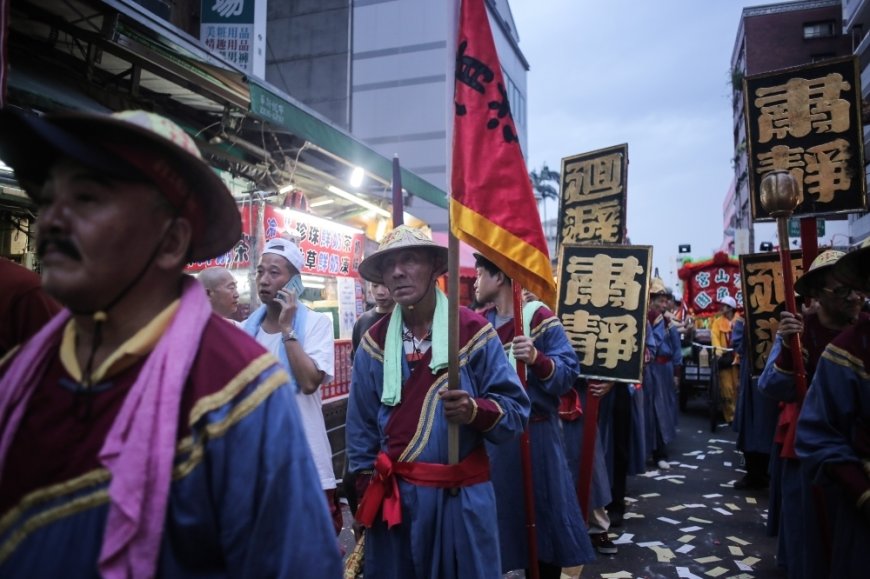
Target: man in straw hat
<point>552,367</point>
<point>792,512</point>
<point>141,435</point>
<point>659,382</point>
<point>425,518</point>
<point>833,433</point>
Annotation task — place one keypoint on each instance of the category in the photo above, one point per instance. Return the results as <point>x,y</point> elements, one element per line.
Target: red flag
<point>493,208</point>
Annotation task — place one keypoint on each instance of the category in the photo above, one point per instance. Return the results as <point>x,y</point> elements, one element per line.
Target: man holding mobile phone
<point>303,341</point>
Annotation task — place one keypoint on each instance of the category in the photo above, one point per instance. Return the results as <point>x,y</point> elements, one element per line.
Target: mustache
<point>61,244</point>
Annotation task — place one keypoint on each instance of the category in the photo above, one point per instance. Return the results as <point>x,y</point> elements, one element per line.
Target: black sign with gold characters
<point>593,196</point>
<point>764,300</point>
<point>603,299</point>
<point>807,121</point>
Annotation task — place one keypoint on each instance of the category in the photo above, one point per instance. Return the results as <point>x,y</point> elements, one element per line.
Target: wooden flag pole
<point>587,450</point>
<point>453,341</point>
<point>398,200</point>
<point>526,448</point>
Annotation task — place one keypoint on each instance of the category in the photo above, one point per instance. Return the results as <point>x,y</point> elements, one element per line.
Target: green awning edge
<point>272,106</point>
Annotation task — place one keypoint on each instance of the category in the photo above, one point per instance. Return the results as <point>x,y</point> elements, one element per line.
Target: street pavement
<point>689,521</point>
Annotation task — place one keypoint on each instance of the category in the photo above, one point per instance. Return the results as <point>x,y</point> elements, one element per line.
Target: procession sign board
<point>594,197</point>
<point>603,300</point>
<point>807,121</point>
<point>764,300</point>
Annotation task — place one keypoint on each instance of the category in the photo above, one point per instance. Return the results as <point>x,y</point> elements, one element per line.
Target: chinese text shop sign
<point>603,298</point>
<point>706,283</point>
<point>807,121</point>
<point>236,29</point>
<point>327,248</point>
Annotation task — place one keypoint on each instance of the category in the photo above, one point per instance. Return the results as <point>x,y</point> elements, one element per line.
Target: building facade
<point>856,24</point>
<point>382,69</point>
<point>769,38</point>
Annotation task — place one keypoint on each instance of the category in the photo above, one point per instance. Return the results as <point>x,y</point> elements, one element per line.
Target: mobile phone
<point>294,285</point>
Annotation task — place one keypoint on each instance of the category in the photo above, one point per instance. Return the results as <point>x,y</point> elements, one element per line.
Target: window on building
<point>825,29</point>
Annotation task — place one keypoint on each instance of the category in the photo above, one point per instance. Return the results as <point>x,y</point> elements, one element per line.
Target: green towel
<point>394,349</point>
<point>528,311</point>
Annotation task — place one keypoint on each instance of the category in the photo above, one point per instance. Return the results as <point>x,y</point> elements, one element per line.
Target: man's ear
<point>175,245</point>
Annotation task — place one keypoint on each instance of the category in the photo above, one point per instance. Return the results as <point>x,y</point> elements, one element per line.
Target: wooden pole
<point>526,449</point>
<point>809,241</point>
<point>398,200</point>
<point>452,341</point>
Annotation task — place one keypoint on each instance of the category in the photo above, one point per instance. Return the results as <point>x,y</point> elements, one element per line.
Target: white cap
<point>729,301</point>
<point>286,249</point>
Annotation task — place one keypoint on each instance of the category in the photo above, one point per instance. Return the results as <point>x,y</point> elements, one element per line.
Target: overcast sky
<point>654,75</point>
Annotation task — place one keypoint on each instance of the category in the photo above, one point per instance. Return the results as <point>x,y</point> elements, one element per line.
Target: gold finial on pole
<point>779,194</point>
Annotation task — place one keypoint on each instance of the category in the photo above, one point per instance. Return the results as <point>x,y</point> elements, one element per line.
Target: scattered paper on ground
<point>725,512</point>
<point>715,572</point>
<point>617,575</point>
<point>735,550</point>
<point>677,508</point>
<point>663,554</point>
<point>651,495</point>
<point>675,481</point>
<point>685,548</point>
<point>693,453</point>
<point>691,466</point>
<point>632,516</point>
<point>750,561</point>
<point>624,539</point>
<point>686,538</point>
<point>690,529</point>
<point>727,463</point>
<point>667,520</point>
<point>650,544</point>
<point>712,496</point>
<point>684,573</point>
<point>701,456</point>
<point>705,560</point>
<point>732,506</point>
<point>738,540</point>
<point>705,521</point>
<point>751,500</point>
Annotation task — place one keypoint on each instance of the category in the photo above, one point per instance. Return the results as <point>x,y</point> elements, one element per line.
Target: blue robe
<point>833,443</point>
<point>572,433</point>
<point>441,535</point>
<point>658,384</point>
<point>792,514</point>
<point>755,419</point>
<point>563,539</point>
<point>245,499</point>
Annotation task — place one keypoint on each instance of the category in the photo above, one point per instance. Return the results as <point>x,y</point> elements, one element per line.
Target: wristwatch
<point>291,335</point>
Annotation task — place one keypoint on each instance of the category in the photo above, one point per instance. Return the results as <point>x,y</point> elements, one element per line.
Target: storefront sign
<point>706,283</point>
<point>765,300</point>
<point>240,255</point>
<point>593,196</point>
<point>603,299</point>
<point>327,248</point>
<point>236,29</point>
<point>807,121</point>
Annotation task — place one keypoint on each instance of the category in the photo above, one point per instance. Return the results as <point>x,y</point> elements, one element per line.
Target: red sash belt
<point>384,488</point>
<point>663,359</point>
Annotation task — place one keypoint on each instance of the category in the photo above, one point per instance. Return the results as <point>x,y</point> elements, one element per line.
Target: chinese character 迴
<point>593,178</point>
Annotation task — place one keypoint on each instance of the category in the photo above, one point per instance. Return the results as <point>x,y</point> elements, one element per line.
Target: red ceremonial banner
<point>705,283</point>
<point>493,208</point>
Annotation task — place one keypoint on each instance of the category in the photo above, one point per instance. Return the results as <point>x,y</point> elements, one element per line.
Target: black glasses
<point>841,292</point>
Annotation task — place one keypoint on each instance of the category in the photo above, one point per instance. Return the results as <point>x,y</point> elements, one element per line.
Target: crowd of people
<point>144,433</point>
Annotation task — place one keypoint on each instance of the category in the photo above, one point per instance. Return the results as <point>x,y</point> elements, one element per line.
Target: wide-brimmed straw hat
<point>657,287</point>
<point>853,269</point>
<point>822,263</point>
<point>127,146</point>
<point>402,237</point>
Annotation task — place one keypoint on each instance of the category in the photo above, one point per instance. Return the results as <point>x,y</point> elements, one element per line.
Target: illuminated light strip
<point>314,220</point>
<point>359,201</point>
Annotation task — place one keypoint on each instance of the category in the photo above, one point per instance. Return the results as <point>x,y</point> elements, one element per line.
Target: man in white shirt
<point>303,341</point>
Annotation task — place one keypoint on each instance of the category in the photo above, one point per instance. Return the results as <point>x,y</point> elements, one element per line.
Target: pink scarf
<point>140,448</point>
